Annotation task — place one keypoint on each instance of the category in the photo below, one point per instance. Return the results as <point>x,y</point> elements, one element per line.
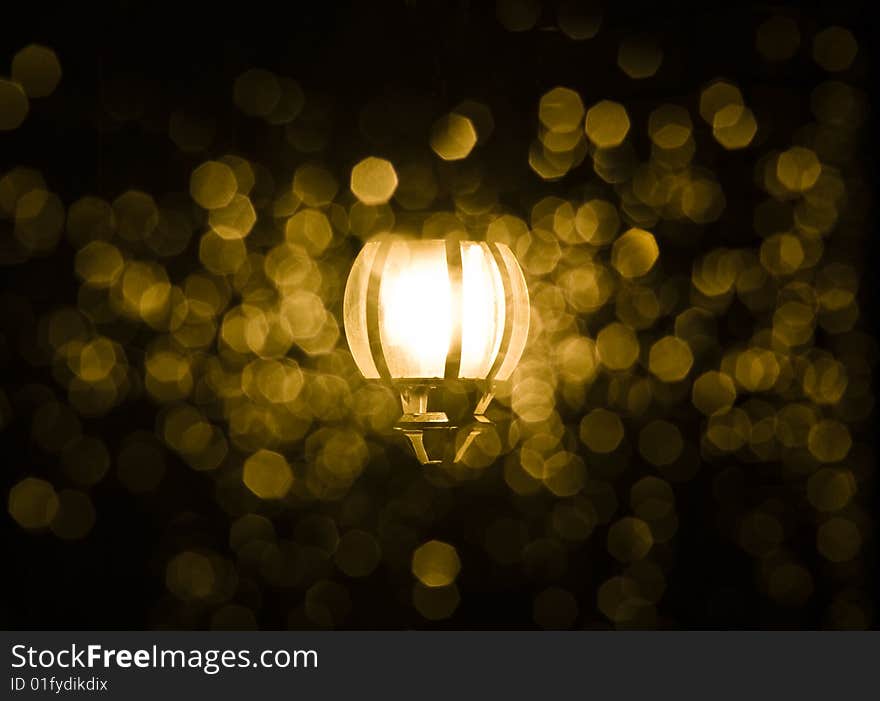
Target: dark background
<point>182,55</point>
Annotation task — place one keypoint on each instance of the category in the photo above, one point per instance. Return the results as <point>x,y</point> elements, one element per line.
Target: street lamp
<point>421,313</point>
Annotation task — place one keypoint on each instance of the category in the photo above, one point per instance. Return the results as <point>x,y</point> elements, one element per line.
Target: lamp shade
<point>430,309</point>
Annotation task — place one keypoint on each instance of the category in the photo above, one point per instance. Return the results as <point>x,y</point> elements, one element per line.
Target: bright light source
<point>421,312</point>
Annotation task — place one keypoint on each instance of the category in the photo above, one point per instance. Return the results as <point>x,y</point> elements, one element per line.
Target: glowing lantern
<point>421,313</point>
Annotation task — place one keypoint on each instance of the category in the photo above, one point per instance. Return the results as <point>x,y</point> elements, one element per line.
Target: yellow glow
<point>482,316</point>
<point>373,180</point>
<point>213,185</point>
<point>267,474</point>
<point>607,124</point>
<point>561,110</point>
<point>579,21</point>
<point>453,137</point>
<point>634,253</point>
<point>798,169</point>
<point>235,219</point>
<point>629,539</point>
<point>670,126</point>
<point>33,503</point>
<point>415,309</point>
<point>618,346</point>
<point>421,313</point>
<point>670,359</point>
<point>601,431</point>
<point>37,70</point>
<point>639,58</point>
<point>834,49</point>
<point>14,105</point>
<point>436,564</point>
<point>257,92</point>
<point>99,264</point>
<point>734,126</point>
<point>717,96</point>
<point>713,393</point>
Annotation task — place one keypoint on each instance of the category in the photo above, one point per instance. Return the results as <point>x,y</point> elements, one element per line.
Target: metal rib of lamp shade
<point>421,312</point>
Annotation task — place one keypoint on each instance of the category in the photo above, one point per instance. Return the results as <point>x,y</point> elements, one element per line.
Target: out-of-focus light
<point>14,105</point>
<point>453,137</point>
<point>834,49</point>
<point>639,57</point>
<point>373,181</point>
<point>37,70</point>
<point>607,124</point>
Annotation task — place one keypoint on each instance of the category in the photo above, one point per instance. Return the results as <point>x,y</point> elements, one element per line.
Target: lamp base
<point>417,424</point>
